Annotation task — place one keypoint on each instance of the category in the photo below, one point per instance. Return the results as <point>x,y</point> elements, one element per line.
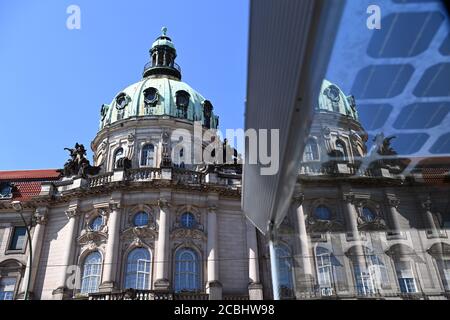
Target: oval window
<point>140,219</point>
<point>121,101</point>
<point>150,95</point>
<point>182,99</point>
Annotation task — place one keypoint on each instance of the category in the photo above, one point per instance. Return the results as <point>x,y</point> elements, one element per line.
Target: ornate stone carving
<point>321,226</point>
<point>163,203</point>
<point>40,216</point>
<point>393,202</point>
<point>298,199</point>
<point>72,212</point>
<point>92,239</point>
<point>184,233</point>
<point>78,164</point>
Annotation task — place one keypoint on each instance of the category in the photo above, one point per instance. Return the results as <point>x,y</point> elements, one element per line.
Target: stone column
<point>394,216</point>
<point>305,277</point>
<point>357,254</point>
<point>429,218</point>
<point>112,250</point>
<point>62,292</point>
<point>255,288</point>
<point>162,249</point>
<point>36,242</point>
<point>213,287</point>
<point>351,217</point>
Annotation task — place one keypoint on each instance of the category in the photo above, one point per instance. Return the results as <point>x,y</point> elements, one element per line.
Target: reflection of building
<point>143,217</point>
<point>357,227</point>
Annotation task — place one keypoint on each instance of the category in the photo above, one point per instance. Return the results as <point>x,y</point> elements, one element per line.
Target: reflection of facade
<point>357,228</point>
<point>143,217</point>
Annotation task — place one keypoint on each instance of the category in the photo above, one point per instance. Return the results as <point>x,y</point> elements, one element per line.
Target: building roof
<point>27,183</point>
<point>44,174</point>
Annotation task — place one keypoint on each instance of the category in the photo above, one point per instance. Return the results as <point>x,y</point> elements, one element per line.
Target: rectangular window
<point>18,239</point>
<point>405,276</point>
<point>7,286</point>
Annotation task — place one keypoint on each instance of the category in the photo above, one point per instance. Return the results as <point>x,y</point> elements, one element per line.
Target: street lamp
<point>17,206</point>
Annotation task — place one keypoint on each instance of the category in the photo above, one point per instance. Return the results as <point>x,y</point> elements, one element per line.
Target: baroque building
<point>148,221</point>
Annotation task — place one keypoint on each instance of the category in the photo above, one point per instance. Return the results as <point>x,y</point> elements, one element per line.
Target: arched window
<point>285,272</point>
<point>118,154</point>
<point>370,272</point>
<point>140,219</point>
<point>182,102</point>
<point>96,223</point>
<point>405,276</point>
<point>444,270</point>
<point>187,270</point>
<point>322,213</point>
<point>92,269</point>
<point>207,113</point>
<point>377,268</point>
<point>324,271</point>
<point>148,155</point>
<point>138,271</point>
<point>311,152</point>
<point>187,220</point>
<point>341,150</point>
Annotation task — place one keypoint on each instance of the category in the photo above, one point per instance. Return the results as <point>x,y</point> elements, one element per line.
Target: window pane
<point>91,273</point>
<point>187,271</point>
<point>7,286</point>
<point>18,239</point>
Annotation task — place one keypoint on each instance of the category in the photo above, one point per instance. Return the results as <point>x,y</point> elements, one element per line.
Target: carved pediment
<point>183,233</point>
<point>96,237</point>
<point>316,225</point>
<point>146,232</point>
<point>375,225</point>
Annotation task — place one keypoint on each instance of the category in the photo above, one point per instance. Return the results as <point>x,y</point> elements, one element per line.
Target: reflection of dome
<point>332,99</point>
<point>160,93</point>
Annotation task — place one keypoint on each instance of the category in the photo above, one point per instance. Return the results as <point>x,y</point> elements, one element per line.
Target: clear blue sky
<point>53,80</point>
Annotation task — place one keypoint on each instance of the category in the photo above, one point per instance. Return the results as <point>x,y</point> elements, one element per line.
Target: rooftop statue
<point>78,164</point>
<point>384,155</point>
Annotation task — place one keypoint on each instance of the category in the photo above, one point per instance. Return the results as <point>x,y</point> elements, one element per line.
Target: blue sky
<point>53,80</point>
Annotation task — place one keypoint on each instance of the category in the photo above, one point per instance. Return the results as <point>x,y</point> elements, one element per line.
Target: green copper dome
<point>160,93</point>
<point>333,99</point>
<point>162,96</point>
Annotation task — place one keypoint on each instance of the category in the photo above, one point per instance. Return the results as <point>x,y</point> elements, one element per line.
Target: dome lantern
<point>162,58</point>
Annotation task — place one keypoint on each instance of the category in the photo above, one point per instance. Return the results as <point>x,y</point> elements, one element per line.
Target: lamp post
<point>17,206</point>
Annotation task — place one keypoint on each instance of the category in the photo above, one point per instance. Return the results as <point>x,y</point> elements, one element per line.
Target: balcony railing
<point>132,294</point>
<point>143,174</point>
<point>150,68</point>
<point>100,180</point>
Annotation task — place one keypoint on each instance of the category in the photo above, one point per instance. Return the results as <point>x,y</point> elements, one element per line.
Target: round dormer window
<point>150,95</point>
<point>182,99</point>
<point>121,101</point>
<point>332,92</point>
